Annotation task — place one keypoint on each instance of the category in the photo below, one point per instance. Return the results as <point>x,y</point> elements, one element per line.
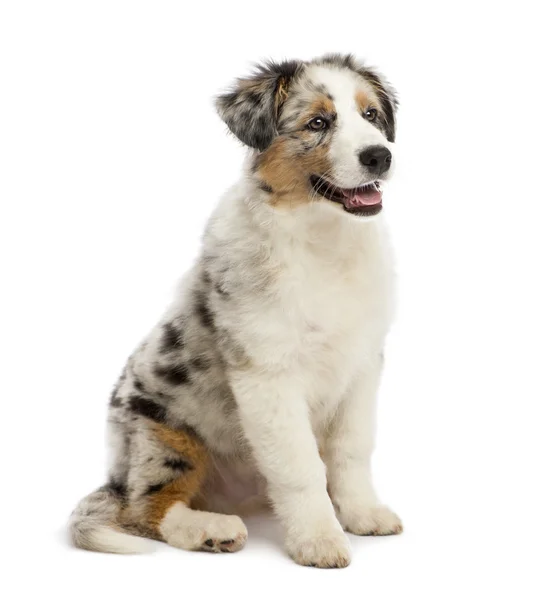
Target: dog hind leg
<point>166,482</point>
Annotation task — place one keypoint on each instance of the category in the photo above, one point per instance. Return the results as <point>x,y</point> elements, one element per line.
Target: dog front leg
<point>348,455</point>
<point>274,415</point>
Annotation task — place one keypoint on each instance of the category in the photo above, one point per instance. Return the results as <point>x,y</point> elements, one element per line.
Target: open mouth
<point>365,200</point>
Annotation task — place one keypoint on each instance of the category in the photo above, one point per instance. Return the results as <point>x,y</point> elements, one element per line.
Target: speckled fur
<point>272,349</point>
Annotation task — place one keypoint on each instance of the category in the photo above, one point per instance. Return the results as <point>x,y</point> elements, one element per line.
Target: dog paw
<point>228,534</point>
<point>373,520</point>
<point>198,530</point>
<point>327,551</point>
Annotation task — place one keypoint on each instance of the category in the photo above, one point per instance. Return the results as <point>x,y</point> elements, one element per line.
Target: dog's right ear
<point>252,107</point>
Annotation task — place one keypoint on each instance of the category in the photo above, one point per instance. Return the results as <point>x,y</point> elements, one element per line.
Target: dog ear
<point>252,107</point>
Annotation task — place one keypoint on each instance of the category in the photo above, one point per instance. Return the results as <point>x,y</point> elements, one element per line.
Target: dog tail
<point>94,525</point>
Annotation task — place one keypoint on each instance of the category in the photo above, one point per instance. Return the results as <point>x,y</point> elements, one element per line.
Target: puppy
<point>258,386</point>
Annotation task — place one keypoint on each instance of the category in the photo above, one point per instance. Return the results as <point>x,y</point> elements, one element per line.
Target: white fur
<point>103,538</point>
<point>110,540</point>
<point>189,529</point>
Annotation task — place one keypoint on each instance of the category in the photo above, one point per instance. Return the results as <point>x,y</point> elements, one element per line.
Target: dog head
<point>322,131</point>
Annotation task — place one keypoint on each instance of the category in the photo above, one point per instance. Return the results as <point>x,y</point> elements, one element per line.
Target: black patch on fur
<point>250,110</point>
<point>147,408</point>
<point>139,385</point>
<point>152,489</point>
<point>177,464</point>
<point>203,312</point>
<point>173,374</point>
<point>117,487</point>
<point>114,399</point>
<point>172,338</point>
<point>265,187</point>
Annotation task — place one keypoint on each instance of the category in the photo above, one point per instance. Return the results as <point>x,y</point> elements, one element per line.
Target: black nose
<point>377,159</point>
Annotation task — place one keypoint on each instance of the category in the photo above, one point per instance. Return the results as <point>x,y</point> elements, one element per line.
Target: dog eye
<point>317,124</point>
<point>371,114</point>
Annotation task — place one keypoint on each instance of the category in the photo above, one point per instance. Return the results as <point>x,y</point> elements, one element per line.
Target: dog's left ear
<point>252,108</point>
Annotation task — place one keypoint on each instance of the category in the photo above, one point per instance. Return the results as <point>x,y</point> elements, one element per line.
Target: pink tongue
<point>367,197</point>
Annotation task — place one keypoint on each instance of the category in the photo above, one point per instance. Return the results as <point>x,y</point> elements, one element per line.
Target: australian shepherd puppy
<point>257,388</point>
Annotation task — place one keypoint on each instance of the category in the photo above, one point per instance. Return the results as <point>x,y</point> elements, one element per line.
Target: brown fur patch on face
<point>287,165</point>
<point>322,106</point>
<point>365,101</point>
<point>188,483</point>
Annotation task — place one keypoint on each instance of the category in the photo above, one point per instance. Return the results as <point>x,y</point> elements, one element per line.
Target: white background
<point>111,160</point>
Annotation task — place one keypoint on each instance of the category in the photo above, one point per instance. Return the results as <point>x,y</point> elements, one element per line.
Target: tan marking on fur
<point>322,105</point>
<point>281,94</point>
<point>287,169</point>
<point>188,484</point>
<point>372,94</point>
<point>365,101</point>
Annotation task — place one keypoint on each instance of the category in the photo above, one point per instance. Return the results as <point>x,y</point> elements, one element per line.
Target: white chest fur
<point>331,302</point>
